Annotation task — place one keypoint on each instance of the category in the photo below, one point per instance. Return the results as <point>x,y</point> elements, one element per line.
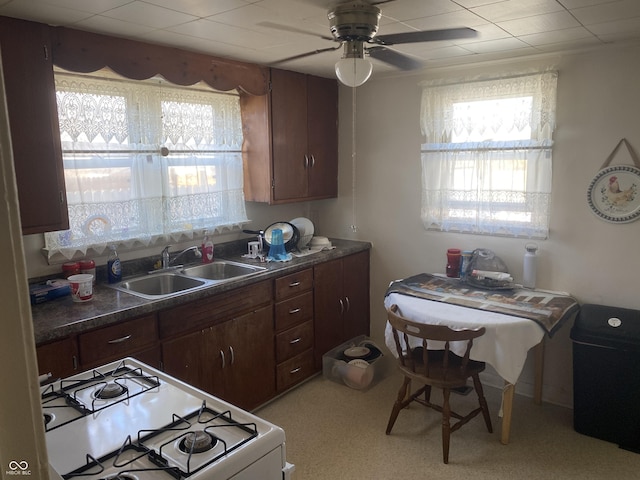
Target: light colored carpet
<point>334,432</point>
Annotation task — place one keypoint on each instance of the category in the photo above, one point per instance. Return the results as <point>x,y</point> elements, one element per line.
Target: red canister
<point>454,255</point>
<point>88,266</point>
<point>70,268</point>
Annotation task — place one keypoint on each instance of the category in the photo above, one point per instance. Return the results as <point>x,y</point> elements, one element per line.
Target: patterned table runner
<point>548,309</point>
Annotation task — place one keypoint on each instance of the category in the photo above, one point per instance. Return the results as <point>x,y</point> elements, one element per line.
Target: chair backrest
<point>404,329</point>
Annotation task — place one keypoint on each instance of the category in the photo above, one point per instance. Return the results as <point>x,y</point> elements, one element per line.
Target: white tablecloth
<point>504,346</point>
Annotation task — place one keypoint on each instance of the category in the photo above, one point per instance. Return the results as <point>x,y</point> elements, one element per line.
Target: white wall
<point>597,262</point>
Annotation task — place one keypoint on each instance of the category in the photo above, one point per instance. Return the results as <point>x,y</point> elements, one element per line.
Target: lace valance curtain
<point>144,161</point>
<point>487,158</point>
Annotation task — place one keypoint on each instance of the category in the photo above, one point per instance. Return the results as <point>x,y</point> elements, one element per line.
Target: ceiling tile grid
<point>267,31</point>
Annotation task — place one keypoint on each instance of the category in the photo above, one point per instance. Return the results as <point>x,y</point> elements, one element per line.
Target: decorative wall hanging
<point>613,193</point>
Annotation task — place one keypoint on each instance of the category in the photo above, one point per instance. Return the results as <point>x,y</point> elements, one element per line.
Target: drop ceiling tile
<point>36,11</point>
<point>499,45</point>
<point>149,15</point>
<point>515,9</point>
<point>461,18</point>
<point>199,8</point>
<point>96,6</point>
<point>608,12</point>
<point>627,28</point>
<point>412,9</point>
<point>558,36</point>
<point>112,26</point>
<point>539,24</point>
<point>571,4</point>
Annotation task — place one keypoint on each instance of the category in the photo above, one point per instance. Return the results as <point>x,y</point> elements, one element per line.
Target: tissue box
<point>348,368</point>
<point>43,292</point>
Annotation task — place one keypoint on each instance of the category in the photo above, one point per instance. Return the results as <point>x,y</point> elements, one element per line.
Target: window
<point>486,161</point>
<point>146,160</point>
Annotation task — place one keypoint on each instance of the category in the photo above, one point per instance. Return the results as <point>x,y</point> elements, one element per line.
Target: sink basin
<point>160,285</point>
<point>221,270</point>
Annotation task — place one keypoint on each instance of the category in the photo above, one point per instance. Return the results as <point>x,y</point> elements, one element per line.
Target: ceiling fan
<point>354,23</point>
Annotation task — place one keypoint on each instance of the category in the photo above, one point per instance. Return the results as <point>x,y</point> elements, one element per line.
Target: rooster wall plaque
<point>613,193</point>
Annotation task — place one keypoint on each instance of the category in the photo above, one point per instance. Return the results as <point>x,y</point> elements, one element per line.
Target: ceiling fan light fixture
<point>353,72</point>
<point>353,69</point>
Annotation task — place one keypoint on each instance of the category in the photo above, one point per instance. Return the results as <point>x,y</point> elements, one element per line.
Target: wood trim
<point>85,52</point>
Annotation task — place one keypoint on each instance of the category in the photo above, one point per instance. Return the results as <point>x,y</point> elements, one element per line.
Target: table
<point>508,336</point>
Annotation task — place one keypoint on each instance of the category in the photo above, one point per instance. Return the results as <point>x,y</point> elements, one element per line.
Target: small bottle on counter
<point>88,266</point>
<point>453,262</point>
<point>114,267</point>
<point>464,263</point>
<point>207,248</point>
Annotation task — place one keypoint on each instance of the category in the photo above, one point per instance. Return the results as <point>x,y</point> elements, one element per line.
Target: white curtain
<point>487,157</point>
<point>146,161</point>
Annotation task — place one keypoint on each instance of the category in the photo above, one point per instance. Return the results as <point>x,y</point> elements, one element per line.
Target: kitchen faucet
<point>166,262</point>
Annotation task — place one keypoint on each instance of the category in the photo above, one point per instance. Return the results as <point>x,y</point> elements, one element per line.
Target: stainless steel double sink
<point>166,283</point>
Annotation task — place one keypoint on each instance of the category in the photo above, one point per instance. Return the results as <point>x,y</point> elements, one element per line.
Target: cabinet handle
<point>294,341</point>
<point>294,284</point>
<point>348,303</point>
<point>233,355</point>
<point>295,370</point>
<point>119,340</point>
<point>74,361</point>
<point>294,310</point>
<point>222,356</point>
<point>341,306</point>
<point>306,161</point>
<point>313,161</point>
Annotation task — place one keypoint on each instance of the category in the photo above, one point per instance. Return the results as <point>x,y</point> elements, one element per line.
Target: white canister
<point>530,266</point>
<point>81,287</point>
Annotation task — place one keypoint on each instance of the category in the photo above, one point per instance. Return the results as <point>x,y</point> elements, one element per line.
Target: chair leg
<point>483,402</point>
<point>427,393</point>
<point>398,405</point>
<point>446,424</point>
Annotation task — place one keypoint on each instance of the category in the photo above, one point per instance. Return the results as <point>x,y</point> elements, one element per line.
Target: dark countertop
<point>62,317</point>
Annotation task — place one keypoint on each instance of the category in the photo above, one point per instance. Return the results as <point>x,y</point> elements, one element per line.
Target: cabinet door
<point>341,302</point>
<point>182,358</point>
<point>327,278</point>
<point>60,358</point>
<point>250,373</point>
<point>322,134</point>
<point>33,121</point>
<point>289,135</point>
<point>356,295</point>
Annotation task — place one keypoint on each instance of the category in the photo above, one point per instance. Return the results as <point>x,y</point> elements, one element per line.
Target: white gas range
<point>126,420</point>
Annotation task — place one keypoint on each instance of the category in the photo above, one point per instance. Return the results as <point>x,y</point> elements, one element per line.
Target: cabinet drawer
<point>294,311</point>
<point>295,370</point>
<point>294,284</point>
<point>117,340</point>
<point>294,341</point>
<point>213,310</point>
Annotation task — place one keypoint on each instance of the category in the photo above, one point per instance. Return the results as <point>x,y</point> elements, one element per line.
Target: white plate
<point>357,352</point>
<point>613,194</point>
<point>306,229</point>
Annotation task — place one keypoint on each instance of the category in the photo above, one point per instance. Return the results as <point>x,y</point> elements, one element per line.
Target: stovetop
<point>151,425</point>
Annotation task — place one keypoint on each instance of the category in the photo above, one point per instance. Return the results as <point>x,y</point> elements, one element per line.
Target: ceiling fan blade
<point>394,58</point>
<point>425,36</point>
<point>287,28</point>
<point>304,55</point>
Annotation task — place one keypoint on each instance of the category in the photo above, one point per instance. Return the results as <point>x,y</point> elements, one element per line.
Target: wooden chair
<point>435,368</point>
